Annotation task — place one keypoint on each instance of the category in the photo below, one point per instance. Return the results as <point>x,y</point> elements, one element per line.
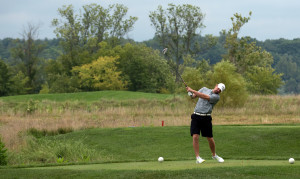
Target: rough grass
<point>77,111</point>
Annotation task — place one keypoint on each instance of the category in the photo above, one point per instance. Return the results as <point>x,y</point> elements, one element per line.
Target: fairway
<point>168,169</point>
<point>174,165</point>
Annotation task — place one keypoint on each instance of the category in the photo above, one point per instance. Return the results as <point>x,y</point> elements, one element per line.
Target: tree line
<point>90,53</point>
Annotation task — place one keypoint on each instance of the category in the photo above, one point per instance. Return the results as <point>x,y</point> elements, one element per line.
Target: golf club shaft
<point>181,78</point>
<point>164,52</point>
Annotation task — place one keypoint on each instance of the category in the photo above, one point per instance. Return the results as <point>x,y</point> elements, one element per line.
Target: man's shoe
<point>219,159</point>
<point>200,160</point>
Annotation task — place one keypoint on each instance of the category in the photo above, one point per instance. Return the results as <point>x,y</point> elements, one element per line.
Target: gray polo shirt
<point>204,106</point>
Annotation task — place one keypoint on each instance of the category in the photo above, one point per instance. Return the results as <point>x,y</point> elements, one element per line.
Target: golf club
<point>164,51</point>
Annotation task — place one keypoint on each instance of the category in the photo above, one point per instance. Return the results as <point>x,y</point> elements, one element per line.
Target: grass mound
<point>137,144</point>
<point>257,151</point>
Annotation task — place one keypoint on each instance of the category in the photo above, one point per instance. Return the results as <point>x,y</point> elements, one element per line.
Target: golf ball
<point>291,160</point>
<point>160,159</point>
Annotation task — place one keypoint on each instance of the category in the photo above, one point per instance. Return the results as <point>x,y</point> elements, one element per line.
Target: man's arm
<point>197,94</point>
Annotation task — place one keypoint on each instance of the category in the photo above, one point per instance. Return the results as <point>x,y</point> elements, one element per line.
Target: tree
<point>101,23</point>
<point>263,80</point>
<point>223,72</point>
<point>57,79</point>
<point>236,92</point>
<point>249,58</point>
<point>101,74</point>
<point>20,81</point>
<point>291,73</point>
<point>69,33</point>
<point>27,53</point>
<point>176,28</point>
<point>142,67</point>
<point>3,155</point>
<point>81,34</point>
<point>147,70</point>
<point>5,79</point>
<point>195,72</point>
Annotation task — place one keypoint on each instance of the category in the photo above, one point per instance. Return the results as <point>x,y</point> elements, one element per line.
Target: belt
<point>201,114</point>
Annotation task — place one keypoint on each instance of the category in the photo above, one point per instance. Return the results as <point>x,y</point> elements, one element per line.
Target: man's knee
<point>195,137</point>
<point>210,138</point>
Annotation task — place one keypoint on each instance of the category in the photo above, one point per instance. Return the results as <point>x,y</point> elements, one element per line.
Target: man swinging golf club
<point>201,118</point>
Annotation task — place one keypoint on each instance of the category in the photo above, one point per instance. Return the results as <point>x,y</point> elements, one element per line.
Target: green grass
<point>175,143</point>
<point>146,144</point>
<point>170,169</point>
<point>87,96</point>
<point>258,151</point>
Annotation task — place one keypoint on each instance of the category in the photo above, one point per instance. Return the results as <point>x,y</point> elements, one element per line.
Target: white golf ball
<point>160,159</point>
<point>291,160</point>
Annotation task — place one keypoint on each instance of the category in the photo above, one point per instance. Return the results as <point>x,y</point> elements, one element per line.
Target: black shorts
<point>203,124</point>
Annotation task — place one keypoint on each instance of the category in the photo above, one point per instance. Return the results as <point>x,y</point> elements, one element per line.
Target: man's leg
<point>196,144</point>
<point>212,146</point>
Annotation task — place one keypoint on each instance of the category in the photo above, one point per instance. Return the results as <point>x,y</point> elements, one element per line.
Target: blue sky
<point>271,19</point>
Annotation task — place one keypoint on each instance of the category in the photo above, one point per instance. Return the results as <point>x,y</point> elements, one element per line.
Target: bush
<point>42,133</point>
<point>235,93</point>
<point>3,155</point>
<point>50,150</point>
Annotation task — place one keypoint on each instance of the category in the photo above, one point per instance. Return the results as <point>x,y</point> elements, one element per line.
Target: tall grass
<point>122,109</point>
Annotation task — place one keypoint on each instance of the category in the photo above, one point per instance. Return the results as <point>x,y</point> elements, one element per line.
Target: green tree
<point>20,81</point>
<point>249,58</point>
<point>291,73</point>
<point>57,80</point>
<point>11,84</point>
<point>177,28</point>
<point>144,68</point>
<point>68,30</point>
<point>101,74</point>
<point>81,34</point>
<point>235,93</point>
<point>27,54</point>
<point>223,72</point>
<point>3,155</point>
<point>195,72</point>
<point>5,79</point>
<point>109,24</point>
<point>263,80</point>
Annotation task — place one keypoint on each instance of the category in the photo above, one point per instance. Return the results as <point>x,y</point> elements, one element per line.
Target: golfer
<point>201,118</point>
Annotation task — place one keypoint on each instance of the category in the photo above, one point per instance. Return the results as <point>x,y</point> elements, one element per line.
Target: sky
<point>271,19</point>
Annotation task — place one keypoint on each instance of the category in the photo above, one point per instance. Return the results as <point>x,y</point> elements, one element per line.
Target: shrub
<point>3,155</point>
<point>42,133</point>
<point>235,93</point>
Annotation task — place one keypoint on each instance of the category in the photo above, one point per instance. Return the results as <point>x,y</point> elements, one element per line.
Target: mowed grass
<point>169,169</point>
<point>257,151</point>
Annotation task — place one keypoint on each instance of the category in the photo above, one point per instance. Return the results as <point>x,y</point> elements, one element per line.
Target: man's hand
<point>188,89</point>
<point>190,93</point>
<point>197,94</point>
